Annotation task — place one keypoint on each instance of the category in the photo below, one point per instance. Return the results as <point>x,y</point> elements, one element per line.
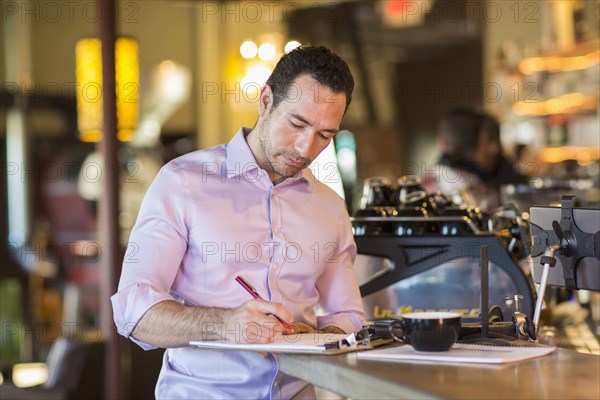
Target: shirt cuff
<point>131,303</point>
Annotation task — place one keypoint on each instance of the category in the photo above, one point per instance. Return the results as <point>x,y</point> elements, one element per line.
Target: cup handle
<point>397,325</point>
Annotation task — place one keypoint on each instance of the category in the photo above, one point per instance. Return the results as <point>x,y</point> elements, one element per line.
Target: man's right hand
<point>170,324</point>
<point>255,322</point>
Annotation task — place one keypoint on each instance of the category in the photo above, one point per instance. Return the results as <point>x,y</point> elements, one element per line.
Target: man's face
<point>487,153</point>
<point>291,135</point>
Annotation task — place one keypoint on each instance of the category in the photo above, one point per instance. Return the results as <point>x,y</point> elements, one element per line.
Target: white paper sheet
<point>459,353</point>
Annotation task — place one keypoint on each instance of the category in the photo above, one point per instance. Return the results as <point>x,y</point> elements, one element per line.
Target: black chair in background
<point>75,371</point>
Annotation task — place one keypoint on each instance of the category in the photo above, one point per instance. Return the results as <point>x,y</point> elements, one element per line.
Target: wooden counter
<point>564,374</point>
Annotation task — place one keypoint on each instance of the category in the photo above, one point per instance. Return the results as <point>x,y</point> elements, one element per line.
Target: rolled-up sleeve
<point>338,287</point>
<point>156,247</point>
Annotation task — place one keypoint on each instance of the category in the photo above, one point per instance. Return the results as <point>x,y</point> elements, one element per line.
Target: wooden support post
<point>108,210</point>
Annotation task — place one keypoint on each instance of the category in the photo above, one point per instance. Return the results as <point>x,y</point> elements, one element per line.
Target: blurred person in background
<point>472,164</point>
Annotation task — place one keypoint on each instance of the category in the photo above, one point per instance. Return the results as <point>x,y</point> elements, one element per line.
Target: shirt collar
<point>240,160</point>
<point>239,156</point>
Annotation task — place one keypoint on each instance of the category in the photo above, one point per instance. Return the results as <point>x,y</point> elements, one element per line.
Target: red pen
<point>250,289</point>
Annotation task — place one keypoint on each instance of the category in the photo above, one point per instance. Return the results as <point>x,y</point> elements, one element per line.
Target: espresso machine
<point>419,251</point>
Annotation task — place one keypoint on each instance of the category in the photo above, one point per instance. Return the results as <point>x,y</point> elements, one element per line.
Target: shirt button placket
<point>274,268</point>
<point>275,215</point>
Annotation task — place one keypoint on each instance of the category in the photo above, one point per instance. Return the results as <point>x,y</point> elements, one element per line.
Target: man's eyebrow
<point>302,119</point>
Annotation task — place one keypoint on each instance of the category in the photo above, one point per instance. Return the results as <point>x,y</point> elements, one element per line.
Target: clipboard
<point>317,343</point>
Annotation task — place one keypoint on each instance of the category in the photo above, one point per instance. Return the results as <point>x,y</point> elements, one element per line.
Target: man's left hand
<point>300,327</point>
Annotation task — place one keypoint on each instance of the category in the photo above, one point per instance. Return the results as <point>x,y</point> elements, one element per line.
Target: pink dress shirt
<point>213,214</point>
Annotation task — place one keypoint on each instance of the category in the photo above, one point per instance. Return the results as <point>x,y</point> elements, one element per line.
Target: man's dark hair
<point>322,64</point>
<point>461,129</point>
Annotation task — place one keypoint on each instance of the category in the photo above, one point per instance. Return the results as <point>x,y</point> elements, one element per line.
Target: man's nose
<point>303,144</point>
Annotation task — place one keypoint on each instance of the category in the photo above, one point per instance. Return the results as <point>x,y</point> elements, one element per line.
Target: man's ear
<point>265,102</point>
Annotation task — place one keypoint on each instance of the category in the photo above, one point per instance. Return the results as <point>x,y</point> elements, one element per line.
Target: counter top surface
<point>564,374</point>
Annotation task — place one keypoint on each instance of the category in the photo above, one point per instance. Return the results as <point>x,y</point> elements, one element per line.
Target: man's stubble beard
<point>272,166</point>
<point>265,145</point>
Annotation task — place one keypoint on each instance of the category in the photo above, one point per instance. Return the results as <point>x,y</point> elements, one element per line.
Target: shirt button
<point>276,230</point>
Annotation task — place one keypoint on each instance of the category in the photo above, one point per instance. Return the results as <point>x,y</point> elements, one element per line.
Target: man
<point>250,208</point>
<point>472,161</point>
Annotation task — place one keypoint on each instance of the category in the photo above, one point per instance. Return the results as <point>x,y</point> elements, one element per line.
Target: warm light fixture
<point>88,69</point>
<point>583,155</point>
<point>257,71</point>
<point>558,63</point>
<point>568,103</point>
<point>266,52</point>
<point>29,374</point>
<point>256,76</point>
<point>291,45</point>
<point>248,49</point>
<point>88,60</point>
<point>127,72</point>
<point>167,90</point>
